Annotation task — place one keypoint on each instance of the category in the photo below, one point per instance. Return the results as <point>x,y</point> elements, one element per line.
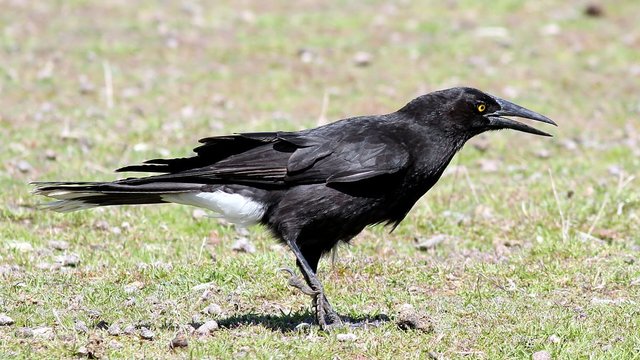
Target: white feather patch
<point>67,205</point>
<point>234,208</point>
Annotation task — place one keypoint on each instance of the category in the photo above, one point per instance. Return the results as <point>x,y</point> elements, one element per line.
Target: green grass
<point>518,274</point>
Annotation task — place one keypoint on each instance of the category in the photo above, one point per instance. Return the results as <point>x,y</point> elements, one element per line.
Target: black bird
<point>313,188</point>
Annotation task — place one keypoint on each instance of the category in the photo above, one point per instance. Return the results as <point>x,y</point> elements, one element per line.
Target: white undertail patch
<point>66,200</point>
<point>234,208</point>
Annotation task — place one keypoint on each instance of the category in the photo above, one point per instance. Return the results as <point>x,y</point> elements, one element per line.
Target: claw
<point>296,282</point>
<point>327,318</point>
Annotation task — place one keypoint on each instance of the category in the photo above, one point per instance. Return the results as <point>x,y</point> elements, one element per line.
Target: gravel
<point>410,319</point>
<point>207,328</point>
<point>147,334</point>
<point>179,341</point>
<point>6,320</point>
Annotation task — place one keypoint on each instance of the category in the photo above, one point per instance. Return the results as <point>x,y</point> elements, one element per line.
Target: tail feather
<point>73,196</point>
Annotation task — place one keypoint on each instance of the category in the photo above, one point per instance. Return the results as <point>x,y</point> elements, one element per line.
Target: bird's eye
<point>481,107</point>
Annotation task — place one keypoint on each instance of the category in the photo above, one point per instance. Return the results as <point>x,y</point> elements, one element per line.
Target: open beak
<point>507,108</point>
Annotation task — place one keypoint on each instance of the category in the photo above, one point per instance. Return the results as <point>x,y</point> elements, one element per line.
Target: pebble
<point>58,245</point>
<point>243,244</point>
<point>346,337</point>
<point>81,326</point>
<point>82,351</point>
<point>203,286</point>
<point>114,330</point>
<point>115,344</point>
<point>24,167</point>
<point>179,341</point>
<point>70,260</point>
<point>554,339</point>
<point>410,319</point>
<point>207,328</point>
<point>43,332</point>
<point>213,309</point>
<point>432,242</point>
<point>147,334</point>
<point>133,287</point>
<point>362,58</point>
<point>129,330</point>
<point>21,246</point>
<point>6,320</point>
<point>24,332</point>
<point>541,355</point>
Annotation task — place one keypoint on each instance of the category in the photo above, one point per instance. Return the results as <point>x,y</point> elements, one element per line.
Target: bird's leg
<point>326,316</point>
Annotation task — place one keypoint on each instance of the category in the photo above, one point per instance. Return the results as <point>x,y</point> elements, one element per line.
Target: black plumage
<point>313,188</point>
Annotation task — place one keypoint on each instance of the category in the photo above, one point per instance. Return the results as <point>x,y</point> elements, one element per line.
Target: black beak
<point>507,108</point>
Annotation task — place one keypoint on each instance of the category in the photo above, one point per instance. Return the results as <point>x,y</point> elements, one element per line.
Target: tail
<point>73,196</point>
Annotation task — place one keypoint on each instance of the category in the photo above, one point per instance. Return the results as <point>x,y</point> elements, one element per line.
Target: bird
<point>313,188</point>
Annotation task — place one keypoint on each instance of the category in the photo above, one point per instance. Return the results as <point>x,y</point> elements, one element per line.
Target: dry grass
<point>542,249</point>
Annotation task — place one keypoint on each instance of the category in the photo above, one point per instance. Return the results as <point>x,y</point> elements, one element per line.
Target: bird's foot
<point>327,318</point>
<point>298,283</point>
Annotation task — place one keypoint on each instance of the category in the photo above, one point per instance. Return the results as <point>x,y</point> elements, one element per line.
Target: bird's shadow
<point>292,322</point>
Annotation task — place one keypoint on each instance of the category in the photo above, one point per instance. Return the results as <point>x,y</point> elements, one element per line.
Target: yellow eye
<point>481,107</point>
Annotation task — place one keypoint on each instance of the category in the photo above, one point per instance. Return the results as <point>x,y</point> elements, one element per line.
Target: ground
<point>539,253</point>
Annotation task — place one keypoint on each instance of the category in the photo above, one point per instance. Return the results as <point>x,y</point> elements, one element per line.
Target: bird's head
<point>470,112</point>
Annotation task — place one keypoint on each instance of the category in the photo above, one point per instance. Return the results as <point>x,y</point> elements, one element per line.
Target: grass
<point>542,253</point>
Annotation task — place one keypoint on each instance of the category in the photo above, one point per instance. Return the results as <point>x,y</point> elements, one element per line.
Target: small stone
<point>196,319</point>
<point>21,246</point>
<point>129,302</point>
<point>114,330</point>
<point>594,10</point>
<point>362,58</point>
<point>24,332</point>
<point>306,56</point>
<point>50,155</point>
<point>115,344</point>
<point>346,337</point>
<point>140,147</point>
<point>543,153</point>
<point>213,309</point>
<point>554,339</point>
<point>6,320</point>
<point>147,334</point>
<point>410,319</point>
<point>541,355</point>
<point>43,332</point>
<point>204,286</point>
<point>82,351</point>
<point>431,242</point>
<point>129,330</point>
<point>243,244</point>
<point>70,260</point>
<point>133,287</point>
<point>489,165</point>
<point>81,326</point>
<point>180,340</point>
<point>58,245</point>
<point>207,328</point>
<point>93,313</point>
<point>303,326</point>
<point>23,166</point>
